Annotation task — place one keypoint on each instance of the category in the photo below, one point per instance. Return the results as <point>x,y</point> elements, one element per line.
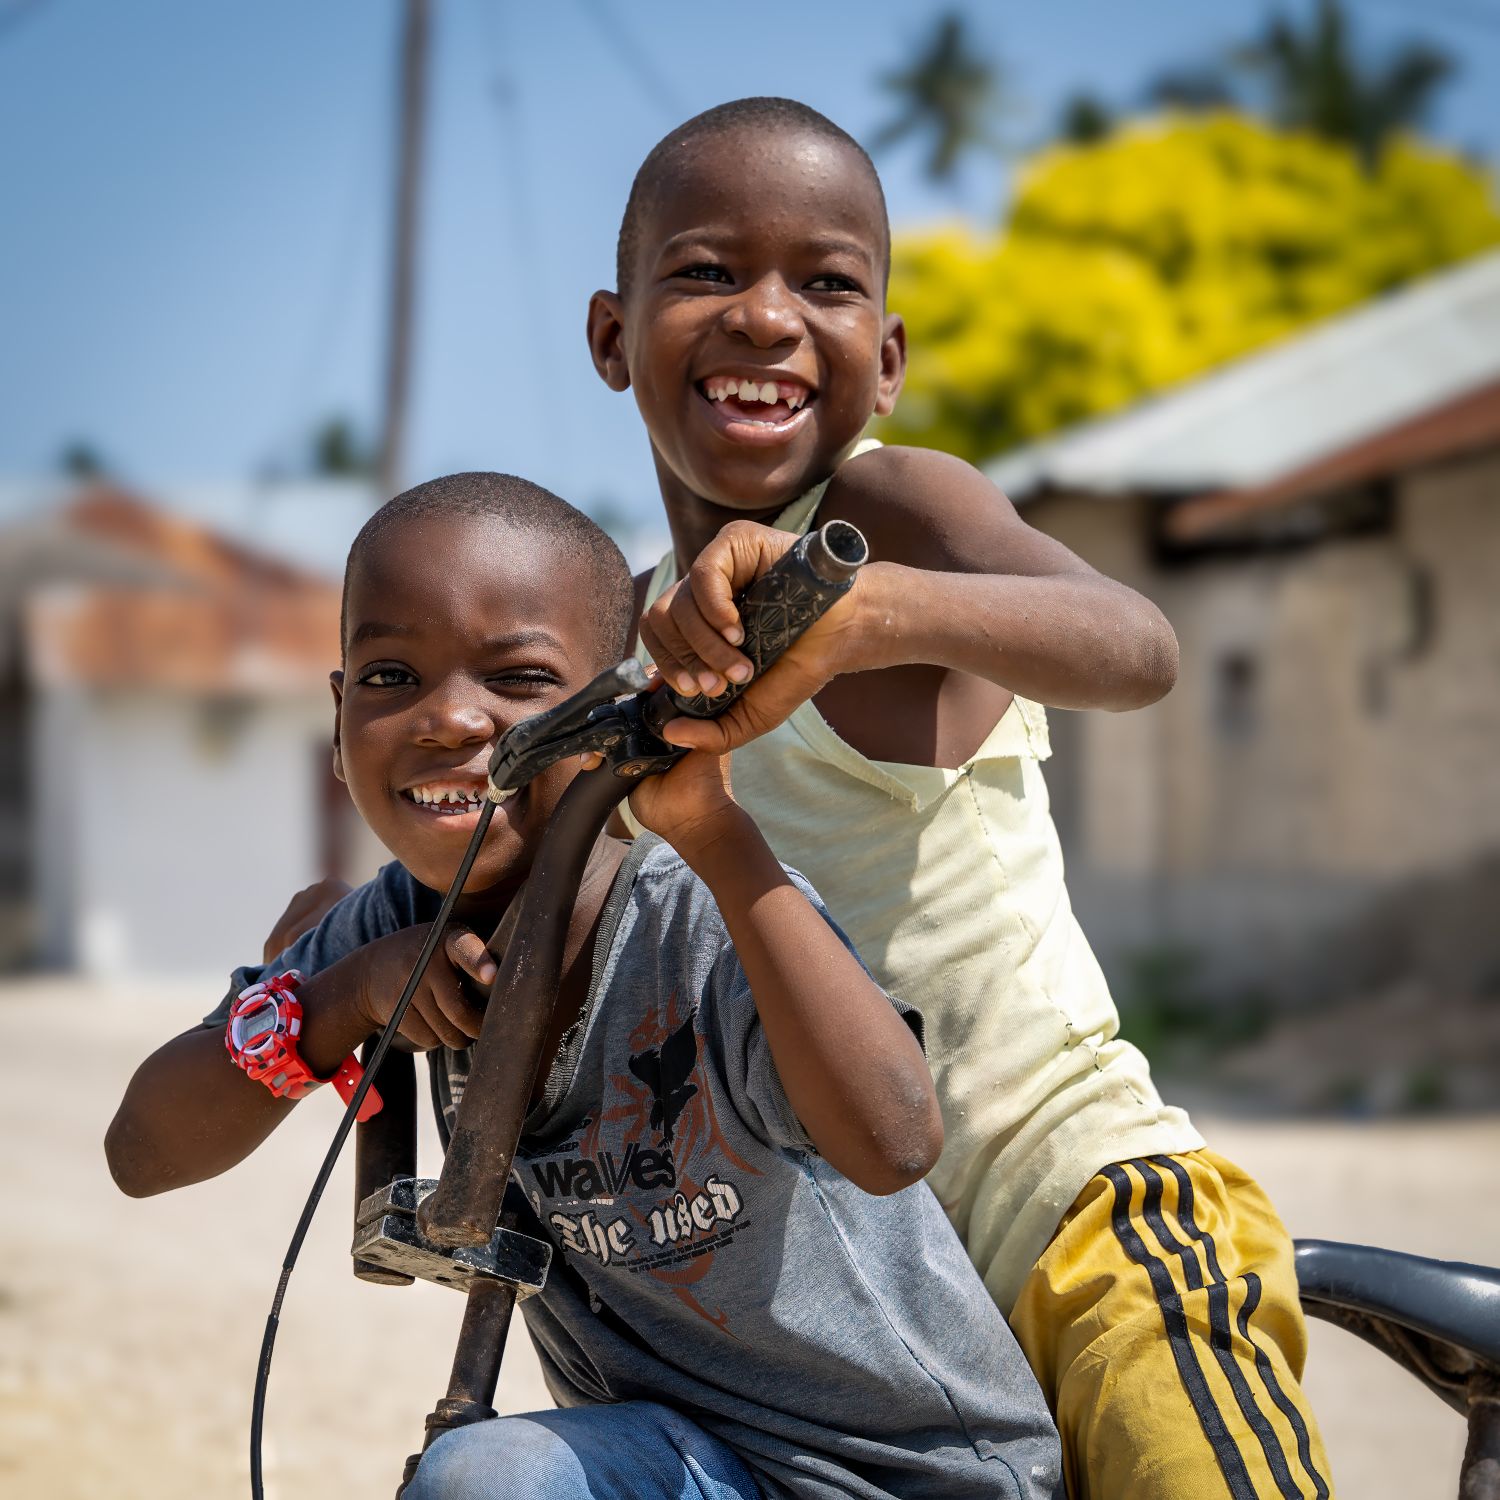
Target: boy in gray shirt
<point>752,1292</point>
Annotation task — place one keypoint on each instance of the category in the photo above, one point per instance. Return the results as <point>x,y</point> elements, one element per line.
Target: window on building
<point>1237,696</point>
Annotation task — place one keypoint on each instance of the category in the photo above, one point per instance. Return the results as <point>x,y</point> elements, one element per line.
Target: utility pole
<point>411,131</point>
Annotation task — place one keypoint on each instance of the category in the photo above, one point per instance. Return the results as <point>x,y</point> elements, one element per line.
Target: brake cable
<point>346,1124</point>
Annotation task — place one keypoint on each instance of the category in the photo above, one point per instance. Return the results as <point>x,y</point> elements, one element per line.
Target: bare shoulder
<point>926,509</point>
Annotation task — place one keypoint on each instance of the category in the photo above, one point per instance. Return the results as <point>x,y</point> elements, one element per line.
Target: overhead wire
<point>324,330</point>
<point>657,89</point>
<point>1459,12</point>
<point>504,96</point>
<point>18,12</point>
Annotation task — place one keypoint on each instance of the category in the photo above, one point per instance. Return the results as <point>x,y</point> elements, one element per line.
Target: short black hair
<point>606,586</point>
<point>759,112</point>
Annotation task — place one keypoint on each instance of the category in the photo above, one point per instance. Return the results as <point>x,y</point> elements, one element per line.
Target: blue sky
<point>196,201</point>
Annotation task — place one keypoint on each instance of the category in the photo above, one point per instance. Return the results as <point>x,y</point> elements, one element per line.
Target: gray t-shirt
<point>705,1255</point>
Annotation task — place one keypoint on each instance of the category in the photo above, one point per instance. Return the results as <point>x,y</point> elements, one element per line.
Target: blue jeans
<point>636,1450</point>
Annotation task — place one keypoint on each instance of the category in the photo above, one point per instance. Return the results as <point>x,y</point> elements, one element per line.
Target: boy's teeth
<point>765,392</point>
<point>429,797</point>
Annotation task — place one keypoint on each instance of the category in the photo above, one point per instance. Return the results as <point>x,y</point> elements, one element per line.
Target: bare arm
<point>189,1113</point>
<point>852,1070</point>
<point>977,591</point>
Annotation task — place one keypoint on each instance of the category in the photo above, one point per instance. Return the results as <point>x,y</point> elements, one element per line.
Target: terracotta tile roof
<point>111,515</point>
<point>216,617</point>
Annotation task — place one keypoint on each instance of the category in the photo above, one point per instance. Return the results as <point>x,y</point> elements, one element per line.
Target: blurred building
<point>165,728</point>
<point>1317,804</point>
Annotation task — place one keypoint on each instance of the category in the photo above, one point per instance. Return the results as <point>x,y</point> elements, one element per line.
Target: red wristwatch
<point>264,1024</point>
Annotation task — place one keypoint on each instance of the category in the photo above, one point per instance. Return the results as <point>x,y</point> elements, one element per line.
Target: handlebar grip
<point>785,601</point>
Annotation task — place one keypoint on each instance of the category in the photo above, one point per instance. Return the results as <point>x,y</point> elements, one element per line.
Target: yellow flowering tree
<point>1169,247</point>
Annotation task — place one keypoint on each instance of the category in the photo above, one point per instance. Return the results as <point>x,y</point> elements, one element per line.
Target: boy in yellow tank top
<point>894,756</point>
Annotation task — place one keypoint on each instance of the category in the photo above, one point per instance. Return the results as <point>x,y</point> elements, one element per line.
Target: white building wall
<point>57,719</point>
<point>172,831</point>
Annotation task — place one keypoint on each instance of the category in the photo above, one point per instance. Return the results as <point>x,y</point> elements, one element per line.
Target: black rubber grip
<point>785,601</point>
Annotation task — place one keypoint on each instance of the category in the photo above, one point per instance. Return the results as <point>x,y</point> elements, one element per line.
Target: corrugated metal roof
<point>1466,425</point>
<point>1259,419</point>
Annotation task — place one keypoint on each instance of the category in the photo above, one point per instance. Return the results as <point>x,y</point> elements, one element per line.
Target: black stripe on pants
<point>1189,1371</point>
<point>1220,1339</point>
<point>1284,1404</point>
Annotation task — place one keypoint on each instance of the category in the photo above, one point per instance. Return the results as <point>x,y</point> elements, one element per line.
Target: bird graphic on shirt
<point>665,1071</point>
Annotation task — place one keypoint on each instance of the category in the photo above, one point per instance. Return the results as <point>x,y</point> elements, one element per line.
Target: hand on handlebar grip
<point>776,610</point>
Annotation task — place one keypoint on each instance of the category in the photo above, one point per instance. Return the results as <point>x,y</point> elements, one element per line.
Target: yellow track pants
<point>1164,1326</point>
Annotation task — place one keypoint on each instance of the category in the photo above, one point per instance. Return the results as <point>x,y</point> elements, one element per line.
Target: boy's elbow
<point>908,1154</point>
<point>127,1162</point>
<point>1153,672</point>
<point>122,1165</point>
<point>1160,674</point>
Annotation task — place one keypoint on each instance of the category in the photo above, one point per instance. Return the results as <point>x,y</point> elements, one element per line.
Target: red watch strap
<point>274,1059</point>
<point>346,1080</point>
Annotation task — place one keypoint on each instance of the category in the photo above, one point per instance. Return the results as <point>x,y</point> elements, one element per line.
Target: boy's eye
<point>523,678</point>
<point>833,282</point>
<point>384,674</point>
<point>704,271</point>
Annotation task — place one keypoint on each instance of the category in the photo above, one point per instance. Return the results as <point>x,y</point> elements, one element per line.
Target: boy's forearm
<point>1070,640</point>
<point>852,1070</point>
<point>189,1113</point>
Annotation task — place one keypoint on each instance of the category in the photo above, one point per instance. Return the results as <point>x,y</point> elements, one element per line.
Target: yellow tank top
<point>950,884</point>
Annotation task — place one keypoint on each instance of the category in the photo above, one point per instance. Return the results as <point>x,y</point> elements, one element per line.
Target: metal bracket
<point>386,1234</point>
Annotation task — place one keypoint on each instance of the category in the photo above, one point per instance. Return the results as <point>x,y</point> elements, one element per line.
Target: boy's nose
<point>456,719</point>
<point>766,313</point>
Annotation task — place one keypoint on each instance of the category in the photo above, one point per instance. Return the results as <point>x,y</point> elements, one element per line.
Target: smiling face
<point>457,627</point>
<point>753,329</point>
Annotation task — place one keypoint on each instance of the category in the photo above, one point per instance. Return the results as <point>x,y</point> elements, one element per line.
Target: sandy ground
<point>129,1330</point>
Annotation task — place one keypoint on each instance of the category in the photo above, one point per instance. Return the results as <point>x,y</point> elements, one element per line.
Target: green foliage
<point>337,452</point>
<point>1426,1089</point>
<point>80,459</point>
<point>947,96</point>
<point>1166,1010</point>
<point>1085,118</point>
<point>1318,82</point>
<point>1139,260</point>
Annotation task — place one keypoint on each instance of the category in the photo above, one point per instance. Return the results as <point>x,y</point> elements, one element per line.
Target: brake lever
<point>774,611</point>
<point>596,718</point>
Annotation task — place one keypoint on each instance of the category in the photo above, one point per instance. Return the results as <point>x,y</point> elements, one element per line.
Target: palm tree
<point>948,95</point>
<point>1317,82</point>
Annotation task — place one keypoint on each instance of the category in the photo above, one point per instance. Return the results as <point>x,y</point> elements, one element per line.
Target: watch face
<point>254,1029</point>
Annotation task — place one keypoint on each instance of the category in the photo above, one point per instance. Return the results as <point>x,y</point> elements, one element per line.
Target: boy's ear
<point>892,365</point>
<point>336,682</point>
<point>606,333</point>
